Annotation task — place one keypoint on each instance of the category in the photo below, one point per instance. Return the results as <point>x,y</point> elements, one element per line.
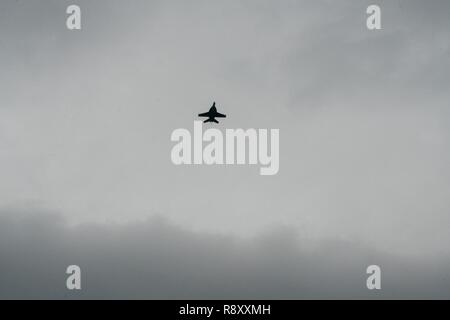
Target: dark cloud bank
<point>157,260</point>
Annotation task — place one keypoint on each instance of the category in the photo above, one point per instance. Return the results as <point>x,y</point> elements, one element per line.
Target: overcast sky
<point>86,118</point>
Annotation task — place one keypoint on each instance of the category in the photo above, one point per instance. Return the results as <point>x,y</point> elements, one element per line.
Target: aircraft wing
<point>219,115</point>
<point>206,114</point>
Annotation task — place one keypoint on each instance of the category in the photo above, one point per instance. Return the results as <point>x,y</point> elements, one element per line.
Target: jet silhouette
<point>212,114</point>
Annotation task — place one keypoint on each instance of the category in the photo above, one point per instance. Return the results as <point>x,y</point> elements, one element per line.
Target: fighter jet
<point>212,114</point>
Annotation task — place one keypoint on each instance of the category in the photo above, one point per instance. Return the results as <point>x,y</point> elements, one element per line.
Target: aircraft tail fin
<point>211,120</point>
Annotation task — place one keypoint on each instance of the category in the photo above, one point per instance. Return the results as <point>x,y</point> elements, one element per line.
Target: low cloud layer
<point>157,260</point>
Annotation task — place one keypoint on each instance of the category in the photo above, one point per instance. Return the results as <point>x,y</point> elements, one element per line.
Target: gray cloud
<point>86,118</point>
<point>158,260</point>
